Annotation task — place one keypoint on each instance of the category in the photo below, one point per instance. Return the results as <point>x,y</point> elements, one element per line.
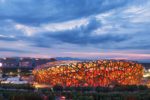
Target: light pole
<point>1,72</point>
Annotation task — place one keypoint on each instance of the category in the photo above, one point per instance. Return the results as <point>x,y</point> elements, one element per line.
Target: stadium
<point>90,73</point>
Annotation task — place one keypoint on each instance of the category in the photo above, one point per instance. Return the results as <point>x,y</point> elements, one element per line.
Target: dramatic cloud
<point>33,12</point>
<point>13,50</point>
<point>83,35</point>
<point>54,27</point>
<point>7,38</point>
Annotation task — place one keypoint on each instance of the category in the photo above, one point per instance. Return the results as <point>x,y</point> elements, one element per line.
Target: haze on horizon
<point>117,29</point>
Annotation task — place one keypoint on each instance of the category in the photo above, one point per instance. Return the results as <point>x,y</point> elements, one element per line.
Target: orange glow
<point>92,73</point>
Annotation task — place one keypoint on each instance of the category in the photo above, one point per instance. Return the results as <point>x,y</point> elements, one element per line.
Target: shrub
<point>85,98</point>
<point>143,87</point>
<point>130,88</point>
<point>102,89</point>
<point>17,86</point>
<point>69,88</point>
<point>58,88</point>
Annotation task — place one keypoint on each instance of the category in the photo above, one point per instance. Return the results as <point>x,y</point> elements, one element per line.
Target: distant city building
<point>41,61</point>
<point>146,65</point>
<point>8,62</point>
<point>23,62</point>
<point>26,62</point>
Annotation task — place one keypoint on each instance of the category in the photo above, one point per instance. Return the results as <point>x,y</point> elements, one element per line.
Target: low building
<point>14,80</point>
<point>8,62</point>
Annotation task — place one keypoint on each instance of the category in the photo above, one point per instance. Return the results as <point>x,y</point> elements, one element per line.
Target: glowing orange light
<point>92,73</point>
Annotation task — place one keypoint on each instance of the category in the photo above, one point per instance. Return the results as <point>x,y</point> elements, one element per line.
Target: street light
<point>1,64</point>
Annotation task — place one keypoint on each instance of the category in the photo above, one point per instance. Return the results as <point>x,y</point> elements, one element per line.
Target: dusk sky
<point>117,29</point>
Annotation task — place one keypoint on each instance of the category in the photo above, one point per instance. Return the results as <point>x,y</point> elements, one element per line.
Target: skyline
<point>109,29</point>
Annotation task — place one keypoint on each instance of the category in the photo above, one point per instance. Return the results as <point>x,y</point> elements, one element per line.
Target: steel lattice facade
<point>92,73</point>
